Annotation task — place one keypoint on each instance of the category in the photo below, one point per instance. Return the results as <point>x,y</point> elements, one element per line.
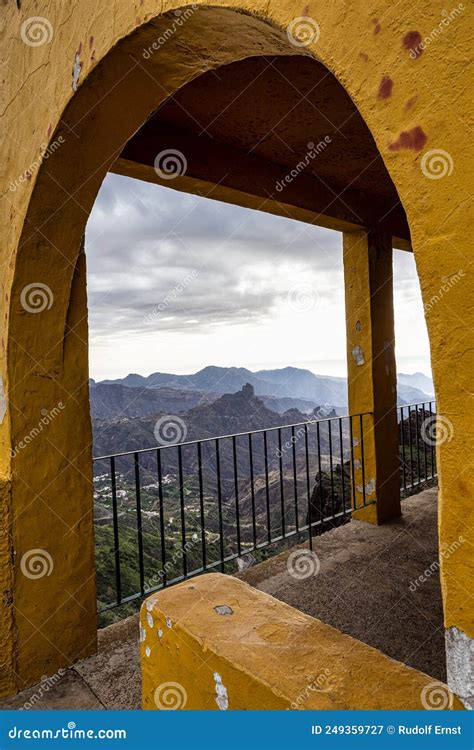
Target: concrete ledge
<point>217,643</point>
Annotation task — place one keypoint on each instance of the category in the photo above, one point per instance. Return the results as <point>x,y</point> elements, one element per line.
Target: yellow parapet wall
<point>217,643</point>
<point>79,81</point>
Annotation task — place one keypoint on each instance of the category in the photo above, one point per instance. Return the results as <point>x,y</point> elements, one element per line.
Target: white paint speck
<point>357,463</point>
<point>149,605</point>
<point>169,624</point>
<point>76,71</point>
<point>370,487</point>
<point>142,633</point>
<point>3,401</point>
<point>460,665</point>
<point>147,650</point>
<point>149,619</point>
<point>160,633</point>
<point>358,356</point>
<point>223,609</point>
<point>221,698</point>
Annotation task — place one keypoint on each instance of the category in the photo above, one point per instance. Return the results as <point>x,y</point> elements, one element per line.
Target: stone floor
<point>365,586</point>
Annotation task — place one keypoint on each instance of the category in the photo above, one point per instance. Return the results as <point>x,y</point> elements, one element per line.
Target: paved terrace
<point>362,588</point>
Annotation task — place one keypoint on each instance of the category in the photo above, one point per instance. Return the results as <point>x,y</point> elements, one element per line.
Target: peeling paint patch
<point>149,619</point>
<point>76,71</point>
<point>358,326</point>
<point>411,42</point>
<point>460,665</point>
<point>3,401</point>
<point>411,103</point>
<point>377,26</point>
<point>358,356</point>
<point>142,633</point>
<point>159,633</point>
<point>370,487</point>
<point>385,88</point>
<point>221,698</point>
<point>413,139</point>
<point>223,609</point>
<point>169,624</point>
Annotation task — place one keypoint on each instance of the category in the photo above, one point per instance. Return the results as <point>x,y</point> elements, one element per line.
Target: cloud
<point>171,260</point>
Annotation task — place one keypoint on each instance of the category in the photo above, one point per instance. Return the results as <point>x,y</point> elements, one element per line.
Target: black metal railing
<point>168,513</point>
<point>417,439</point>
<point>171,512</point>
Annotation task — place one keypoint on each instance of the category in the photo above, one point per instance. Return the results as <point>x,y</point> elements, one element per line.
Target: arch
<point>47,353</point>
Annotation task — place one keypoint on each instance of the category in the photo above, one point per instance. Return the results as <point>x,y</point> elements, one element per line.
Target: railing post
<point>372,374</point>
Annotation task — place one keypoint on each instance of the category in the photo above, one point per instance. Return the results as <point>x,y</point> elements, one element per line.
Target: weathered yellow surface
<point>372,380</point>
<point>88,88</point>
<point>218,643</point>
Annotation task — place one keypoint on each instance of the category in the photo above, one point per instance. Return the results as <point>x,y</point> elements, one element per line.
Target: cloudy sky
<point>177,282</point>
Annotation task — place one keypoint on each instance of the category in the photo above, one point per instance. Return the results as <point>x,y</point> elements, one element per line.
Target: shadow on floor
<point>366,586</point>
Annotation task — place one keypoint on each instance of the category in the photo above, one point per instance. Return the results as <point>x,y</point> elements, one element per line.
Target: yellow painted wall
<point>217,643</point>
<point>85,85</point>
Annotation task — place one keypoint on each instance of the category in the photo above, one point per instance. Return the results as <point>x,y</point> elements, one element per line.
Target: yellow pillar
<point>372,374</point>
<point>49,610</point>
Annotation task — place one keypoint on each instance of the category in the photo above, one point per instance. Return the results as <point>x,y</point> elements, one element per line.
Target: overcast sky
<point>177,282</point>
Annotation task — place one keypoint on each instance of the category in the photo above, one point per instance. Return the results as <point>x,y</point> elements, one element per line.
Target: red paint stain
<point>411,42</point>
<point>91,42</point>
<point>79,49</point>
<point>385,88</point>
<point>377,26</point>
<point>364,56</point>
<point>411,103</point>
<point>49,131</point>
<point>413,139</point>
<point>306,10</point>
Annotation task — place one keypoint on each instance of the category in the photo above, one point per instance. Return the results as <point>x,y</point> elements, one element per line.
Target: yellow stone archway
<point>88,88</point>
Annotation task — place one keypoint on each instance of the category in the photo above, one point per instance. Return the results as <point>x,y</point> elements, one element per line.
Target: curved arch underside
<point>125,104</point>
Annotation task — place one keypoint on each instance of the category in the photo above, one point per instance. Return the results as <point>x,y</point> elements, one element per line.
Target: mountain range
<point>288,383</point>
